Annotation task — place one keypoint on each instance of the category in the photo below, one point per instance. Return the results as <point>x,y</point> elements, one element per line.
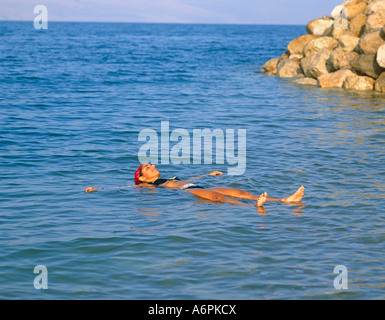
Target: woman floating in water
<point>148,176</point>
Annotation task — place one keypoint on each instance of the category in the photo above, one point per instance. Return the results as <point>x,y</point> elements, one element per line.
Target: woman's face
<point>149,173</point>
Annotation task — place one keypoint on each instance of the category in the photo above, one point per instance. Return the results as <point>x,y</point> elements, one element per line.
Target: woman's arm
<point>92,189</point>
<point>213,173</point>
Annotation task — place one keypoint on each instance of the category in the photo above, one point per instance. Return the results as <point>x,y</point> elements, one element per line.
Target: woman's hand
<point>215,173</point>
<point>91,189</point>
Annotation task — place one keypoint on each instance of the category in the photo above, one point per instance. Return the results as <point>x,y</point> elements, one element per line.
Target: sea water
<point>73,100</point>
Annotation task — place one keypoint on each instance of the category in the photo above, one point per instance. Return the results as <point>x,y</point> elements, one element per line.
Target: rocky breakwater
<point>346,50</point>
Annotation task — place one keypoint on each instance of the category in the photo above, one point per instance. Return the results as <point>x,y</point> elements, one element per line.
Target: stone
<point>348,42</point>
<point>377,7</point>
<point>319,26</point>
<point>329,32</point>
<point>338,10</point>
<point>296,46</point>
<point>319,44</point>
<point>338,33</point>
<point>340,16</point>
<point>380,58</point>
<point>358,83</point>
<point>335,79</point>
<point>374,22</point>
<point>305,64</point>
<point>271,66</point>
<point>306,81</point>
<point>357,25</point>
<point>341,23</point>
<point>339,59</point>
<point>284,56</point>
<point>366,64</point>
<point>288,68</point>
<point>296,56</point>
<point>380,83</point>
<point>355,8</point>
<point>370,42</point>
<point>314,65</point>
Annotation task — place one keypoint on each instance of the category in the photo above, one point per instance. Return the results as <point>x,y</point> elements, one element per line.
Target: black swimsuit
<point>187,186</point>
<point>161,181</point>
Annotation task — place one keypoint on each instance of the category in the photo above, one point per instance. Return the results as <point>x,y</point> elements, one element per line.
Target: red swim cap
<point>137,175</point>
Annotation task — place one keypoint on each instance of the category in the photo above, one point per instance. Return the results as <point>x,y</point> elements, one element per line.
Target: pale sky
<point>174,11</point>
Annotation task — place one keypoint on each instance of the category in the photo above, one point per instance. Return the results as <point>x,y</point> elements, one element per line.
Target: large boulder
<point>289,68</point>
<point>340,16</point>
<point>374,22</point>
<point>355,8</point>
<point>377,6</point>
<point>296,46</point>
<point>329,32</point>
<point>335,79</point>
<point>271,66</point>
<point>338,11</point>
<point>319,26</point>
<point>366,64</point>
<point>380,58</point>
<point>340,59</point>
<point>337,33</point>
<point>284,56</point>
<point>370,42</point>
<point>358,83</point>
<point>306,81</point>
<point>348,42</point>
<point>314,65</point>
<point>319,44</point>
<point>380,83</point>
<point>357,25</point>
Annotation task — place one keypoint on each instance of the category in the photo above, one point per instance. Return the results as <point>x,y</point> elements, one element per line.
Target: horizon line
<point>146,22</point>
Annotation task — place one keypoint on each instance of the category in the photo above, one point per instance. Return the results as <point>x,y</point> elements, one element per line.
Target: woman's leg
<point>241,194</point>
<point>214,196</point>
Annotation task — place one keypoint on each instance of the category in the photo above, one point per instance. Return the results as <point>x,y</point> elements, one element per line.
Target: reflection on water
<point>151,212</point>
<point>298,208</point>
<point>261,211</point>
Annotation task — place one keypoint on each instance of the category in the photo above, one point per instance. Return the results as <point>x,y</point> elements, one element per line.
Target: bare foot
<point>295,197</point>
<point>262,199</point>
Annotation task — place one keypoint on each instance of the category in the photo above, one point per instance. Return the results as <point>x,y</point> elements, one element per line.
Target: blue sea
<point>73,100</point>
